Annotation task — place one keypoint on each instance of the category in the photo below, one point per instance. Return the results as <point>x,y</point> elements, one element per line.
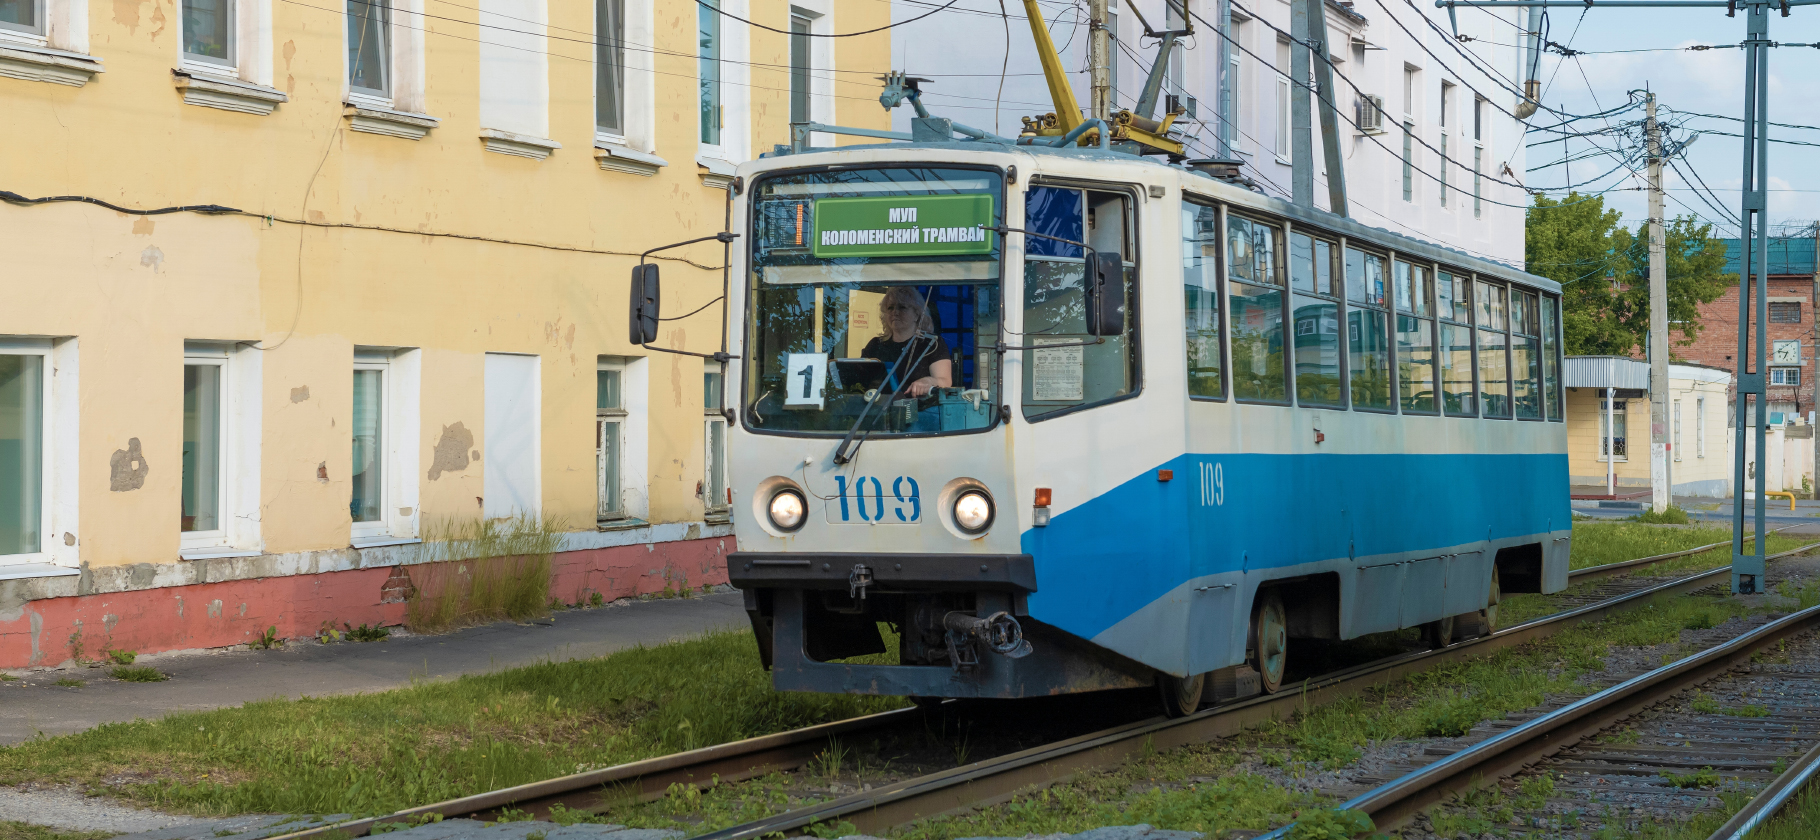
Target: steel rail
<point>638,780</point>
<point>1400,800</point>
<point>998,779</point>
<point>1771,799</point>
<point>1625,566</point>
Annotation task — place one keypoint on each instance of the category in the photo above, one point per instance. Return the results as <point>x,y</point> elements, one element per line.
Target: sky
<point>1698,81</point>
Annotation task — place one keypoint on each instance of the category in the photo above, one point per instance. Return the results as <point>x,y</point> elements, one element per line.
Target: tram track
<point>994,780</point>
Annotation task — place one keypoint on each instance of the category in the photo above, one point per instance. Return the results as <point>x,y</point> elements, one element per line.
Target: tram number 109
<point>865,499</point>
<point>1213,485</point>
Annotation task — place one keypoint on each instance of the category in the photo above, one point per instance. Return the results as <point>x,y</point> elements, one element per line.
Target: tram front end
<point>872,488</point>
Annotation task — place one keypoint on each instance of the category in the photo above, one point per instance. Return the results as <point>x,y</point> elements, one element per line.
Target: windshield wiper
<point>841,456</point>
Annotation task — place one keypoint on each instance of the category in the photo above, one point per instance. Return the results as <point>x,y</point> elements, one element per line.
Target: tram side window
<point>1254,266</point>
<point>1055,306</point>
<point>1494,367</point>
<point>1525,355</point>
<point>1453,299</point>
<point>1415,338</point>
<point>1201,299</point>
<point>1315,316</point>
<point>1367,331</point>
<point>1551,356</point>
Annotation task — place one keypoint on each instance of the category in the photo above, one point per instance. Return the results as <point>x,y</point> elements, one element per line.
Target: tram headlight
<point>973,512</point>
<point>787,509</point>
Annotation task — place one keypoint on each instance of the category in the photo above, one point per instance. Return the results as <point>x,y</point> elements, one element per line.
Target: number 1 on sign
<point>808,372</point>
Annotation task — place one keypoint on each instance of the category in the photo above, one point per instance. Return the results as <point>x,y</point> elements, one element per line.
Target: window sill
<point>718,173</point>
<point>36,570</point>
<point>517,145</point>
<point>228,93</point>
<point>382,542</point>
<point>373,119</point>
<point>614,157</point>
<point>32,63</point>
<point>718,517</point>
<point>621,525</point>
<point>216,553</point>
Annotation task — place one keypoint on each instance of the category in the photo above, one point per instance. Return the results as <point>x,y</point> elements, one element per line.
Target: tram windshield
<point>874,293</point>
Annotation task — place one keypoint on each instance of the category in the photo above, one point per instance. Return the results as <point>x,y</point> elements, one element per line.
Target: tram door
<point>1084,430</point>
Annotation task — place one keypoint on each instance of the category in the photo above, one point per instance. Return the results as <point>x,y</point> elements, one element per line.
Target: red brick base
<point>53,631</point>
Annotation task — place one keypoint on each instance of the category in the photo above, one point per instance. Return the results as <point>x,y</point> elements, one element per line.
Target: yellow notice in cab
<point>863,322</point>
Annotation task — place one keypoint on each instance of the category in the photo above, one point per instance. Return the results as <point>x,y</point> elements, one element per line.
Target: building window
<point>1409,132</point>
<point>1112,63</point>
<point>1285,125</point>
<point>1784,312</point>
<point>513,479</point>
<point>1675,437</point>
<point>1446,108</point>
<point>367,504</point>
<point>22,16</point>
<point>24,516</point>
<point>1236,87</point>
<point>708,53</point>
<point>369,47</point>
<point>800,62</point>
<point>714,483</point>
<point>1611,432</point>
<point>1785,376</point>
<point>204,452</point>
<point>610,67</point>
<point>208,32</point>
<point>1478,156</point>
<point>1700,427</point>
<point>610,438</point>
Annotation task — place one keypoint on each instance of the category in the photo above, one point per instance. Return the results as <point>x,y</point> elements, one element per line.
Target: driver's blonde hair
<point>904,296</point>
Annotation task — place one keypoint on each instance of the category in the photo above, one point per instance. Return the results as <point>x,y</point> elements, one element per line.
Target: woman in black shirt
<point>910,348</point>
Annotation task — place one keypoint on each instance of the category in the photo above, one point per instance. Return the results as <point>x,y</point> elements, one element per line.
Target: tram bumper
<point>809,611</point>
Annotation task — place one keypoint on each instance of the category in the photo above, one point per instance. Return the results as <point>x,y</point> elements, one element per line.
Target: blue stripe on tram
<point>1104,560</point>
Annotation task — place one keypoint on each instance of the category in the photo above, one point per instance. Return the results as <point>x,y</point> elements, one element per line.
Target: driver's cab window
<point>1079,369</point>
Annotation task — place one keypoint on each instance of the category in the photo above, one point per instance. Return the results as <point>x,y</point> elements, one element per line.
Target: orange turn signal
<point>1042,497</point>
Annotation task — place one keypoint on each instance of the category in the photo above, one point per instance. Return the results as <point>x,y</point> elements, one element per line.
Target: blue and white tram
<point>1182,426</point>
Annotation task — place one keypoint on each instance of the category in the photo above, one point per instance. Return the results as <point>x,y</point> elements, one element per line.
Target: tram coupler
<point>999,632</point>
<point>857,581</point>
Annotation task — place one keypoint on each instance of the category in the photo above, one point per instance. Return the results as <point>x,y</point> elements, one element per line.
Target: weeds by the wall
<point>475,571</point>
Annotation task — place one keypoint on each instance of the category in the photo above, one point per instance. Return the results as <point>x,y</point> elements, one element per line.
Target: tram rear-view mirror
<point>1106,294</point>
<point>644,304</point>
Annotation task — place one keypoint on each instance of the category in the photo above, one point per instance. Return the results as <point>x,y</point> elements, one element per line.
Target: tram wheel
<point>1180,696</point>
<point>1439,633</point>
<point>1270,640</point>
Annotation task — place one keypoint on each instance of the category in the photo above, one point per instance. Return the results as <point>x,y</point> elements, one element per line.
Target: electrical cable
<point>717,10</point>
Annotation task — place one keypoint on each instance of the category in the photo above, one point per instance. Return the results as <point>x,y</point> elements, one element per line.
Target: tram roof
<point>1313,217</point>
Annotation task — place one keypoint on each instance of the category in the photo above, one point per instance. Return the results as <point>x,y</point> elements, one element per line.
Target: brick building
<point>1792,326</point>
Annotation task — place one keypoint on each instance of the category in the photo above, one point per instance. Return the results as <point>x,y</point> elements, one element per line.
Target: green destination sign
<point>903,226</point>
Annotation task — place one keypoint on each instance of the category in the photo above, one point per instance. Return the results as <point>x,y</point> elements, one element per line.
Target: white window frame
<point>38,34</point>
<point>217,357</point>
<point>404,92</point>
<point>821,15</point>
<point>619,418</point>
<point>1780,376</point>
<point>1447,97</point>
<point>1237,69</point>
<point>716,505</point>
<point>1675,433</point>
<point>1285,150</point>
<point>638,116</point>
<point>252,44</point>
<point>398,426</point>
<point>1700,427</point>
<point>229,66</point>
<point>47,469</point>
<point>1618,415</point>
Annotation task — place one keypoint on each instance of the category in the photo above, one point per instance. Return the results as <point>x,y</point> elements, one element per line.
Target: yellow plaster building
<point>1700,443</point>
<point>289,283</point>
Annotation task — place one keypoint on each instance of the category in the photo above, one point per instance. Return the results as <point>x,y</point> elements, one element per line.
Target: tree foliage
<point>1603,270</point>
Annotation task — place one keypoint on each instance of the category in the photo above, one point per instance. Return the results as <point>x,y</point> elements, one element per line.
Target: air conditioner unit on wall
<point>1371,114</point>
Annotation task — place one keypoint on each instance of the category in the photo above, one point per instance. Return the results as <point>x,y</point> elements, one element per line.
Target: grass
<point>28,831</point>
<point>1599,543</point>
<point>376,753</point>
<point>140,673</point>
<point>1670,515</point>
<point>477,570</point>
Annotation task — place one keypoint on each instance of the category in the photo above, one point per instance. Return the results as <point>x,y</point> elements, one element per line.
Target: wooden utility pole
<point>1660,479</point>
<point>1099,60</point>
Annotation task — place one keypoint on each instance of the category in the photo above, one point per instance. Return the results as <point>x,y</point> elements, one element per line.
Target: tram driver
<point>909,347</point>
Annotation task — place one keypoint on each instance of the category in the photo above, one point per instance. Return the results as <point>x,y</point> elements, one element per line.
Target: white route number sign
<point>804,376</point>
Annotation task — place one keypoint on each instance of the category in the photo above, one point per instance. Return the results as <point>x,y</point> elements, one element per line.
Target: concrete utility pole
<point>1308,44</point>
<point>1099,60</point>
<point>1814,380</point>
<point>1660,484</point>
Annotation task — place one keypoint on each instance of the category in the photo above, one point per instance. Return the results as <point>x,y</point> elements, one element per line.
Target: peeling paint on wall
<point>151,258</point>
<point>322,472</point>
<point>451,453</point>
<point>128,468</point>
<point>300,393</point>
<point>143,226</point>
